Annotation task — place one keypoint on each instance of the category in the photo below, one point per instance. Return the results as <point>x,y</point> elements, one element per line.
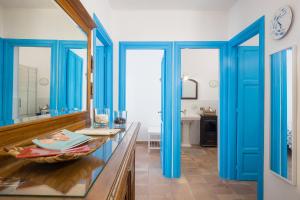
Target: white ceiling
<point>172,4</point>
<point>28,4</point>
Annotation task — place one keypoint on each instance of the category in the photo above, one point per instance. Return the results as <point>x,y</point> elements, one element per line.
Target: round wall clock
<point>44,81</point>
<point>213,83</point>
<point>281,22</point>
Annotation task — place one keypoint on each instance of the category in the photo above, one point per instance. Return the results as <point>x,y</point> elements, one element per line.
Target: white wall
<point>165,25</point>
<point>241,15</point>
<point>104,13</point>
<point>201,65</point>
<point>40,24</point>
<point>169,25</point>
<point>143,88</point>
<point>152,25</point>
<point>1,21</point>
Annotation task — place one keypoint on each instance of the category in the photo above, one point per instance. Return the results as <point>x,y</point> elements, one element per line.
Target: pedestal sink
<point>186,121</point>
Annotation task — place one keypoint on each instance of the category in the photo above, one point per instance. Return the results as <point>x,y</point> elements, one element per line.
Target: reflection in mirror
<point>189,89</point>
<point>283,108</point>
<point>31,89</point>
<point>43,62</point>
<point>76,79</point>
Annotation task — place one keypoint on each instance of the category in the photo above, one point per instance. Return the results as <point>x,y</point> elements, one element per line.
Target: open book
<point>62,141</point>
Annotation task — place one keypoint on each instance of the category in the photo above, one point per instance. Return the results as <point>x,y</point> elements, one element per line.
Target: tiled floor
<point>199,180</point>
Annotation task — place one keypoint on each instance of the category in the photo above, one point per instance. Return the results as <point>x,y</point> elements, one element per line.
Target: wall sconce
<point>185,78</point>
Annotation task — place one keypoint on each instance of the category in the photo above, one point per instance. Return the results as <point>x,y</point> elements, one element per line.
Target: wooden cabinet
<point>116,181</point>
<point>125,190</point>
<point>208,131</point>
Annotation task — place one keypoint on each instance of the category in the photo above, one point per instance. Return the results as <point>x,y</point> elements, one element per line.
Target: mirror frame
<point>191,98</point>
<point>294,175</point>
<point>13,134</point>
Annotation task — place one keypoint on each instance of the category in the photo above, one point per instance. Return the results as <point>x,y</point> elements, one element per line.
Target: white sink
<point>191,117</point>
<point>187,120</point>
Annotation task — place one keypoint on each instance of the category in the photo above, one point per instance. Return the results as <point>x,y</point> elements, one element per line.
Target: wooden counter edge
<point>106,184</point>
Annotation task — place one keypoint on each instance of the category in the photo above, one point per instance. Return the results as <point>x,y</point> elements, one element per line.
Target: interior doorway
<point>200,97</point>
<point>246,105</point>
<point>143,89</point>
<point>166,115</point>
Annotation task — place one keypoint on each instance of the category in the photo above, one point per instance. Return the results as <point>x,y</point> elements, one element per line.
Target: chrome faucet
<point>183,111</point>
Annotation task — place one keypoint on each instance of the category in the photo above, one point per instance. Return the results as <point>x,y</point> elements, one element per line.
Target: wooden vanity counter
<point>108,173</point>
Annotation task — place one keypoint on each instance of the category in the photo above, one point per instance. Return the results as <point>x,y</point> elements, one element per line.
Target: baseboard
<point>141,142</point>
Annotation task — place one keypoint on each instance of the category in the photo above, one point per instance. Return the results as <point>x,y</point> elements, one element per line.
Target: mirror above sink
<point>189,89</point>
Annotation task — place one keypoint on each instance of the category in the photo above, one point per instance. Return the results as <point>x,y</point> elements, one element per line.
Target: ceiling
<point>210,5</point>
<point>28,4</point>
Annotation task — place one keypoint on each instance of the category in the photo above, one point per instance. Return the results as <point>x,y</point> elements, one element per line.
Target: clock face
<point>281,22</point>
<point>213,83</point>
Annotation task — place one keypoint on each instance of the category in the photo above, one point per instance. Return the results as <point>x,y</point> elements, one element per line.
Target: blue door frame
<point>168,144</point>
<point>258,27</point>
<point>107,83</point>
<point>1,82</point>
<point>7,81</point>
<point>223,153</point>
<point>63,49</point>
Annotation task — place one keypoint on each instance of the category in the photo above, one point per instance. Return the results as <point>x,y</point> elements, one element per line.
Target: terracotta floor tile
<point>141,197</point>
<point>199,180</point>
<point>195,179</point>
<point>142,177</point>
<point>160,197</point>
<point>228,197</point>
<point>141,189</point>
<point>161,189</point>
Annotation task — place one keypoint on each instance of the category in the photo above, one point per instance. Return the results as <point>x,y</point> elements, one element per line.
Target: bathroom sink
<point>190,117</point>
<point>186,120</point>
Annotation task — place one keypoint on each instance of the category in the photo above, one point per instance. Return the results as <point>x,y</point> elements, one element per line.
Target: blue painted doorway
<point>168,154</point>
<point>248,113</point>
<point>103,68</point>
<point>255,29</point>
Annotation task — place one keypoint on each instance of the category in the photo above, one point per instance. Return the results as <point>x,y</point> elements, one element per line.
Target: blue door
<point>248,113</point>
<point>74,81</point>
<point>162,127</point>
<point>99,78</point>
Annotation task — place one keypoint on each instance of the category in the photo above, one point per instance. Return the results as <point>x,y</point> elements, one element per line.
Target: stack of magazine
<point>59,143</point>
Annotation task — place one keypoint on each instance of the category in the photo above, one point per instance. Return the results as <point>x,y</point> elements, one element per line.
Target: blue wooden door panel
<point>99,78</point>
<point>162,127</point>
<point>74,81</point>
<point>248,113</point>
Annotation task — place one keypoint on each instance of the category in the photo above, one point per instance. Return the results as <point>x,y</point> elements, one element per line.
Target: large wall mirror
<point>43,62</point>
<point>283,114</point>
